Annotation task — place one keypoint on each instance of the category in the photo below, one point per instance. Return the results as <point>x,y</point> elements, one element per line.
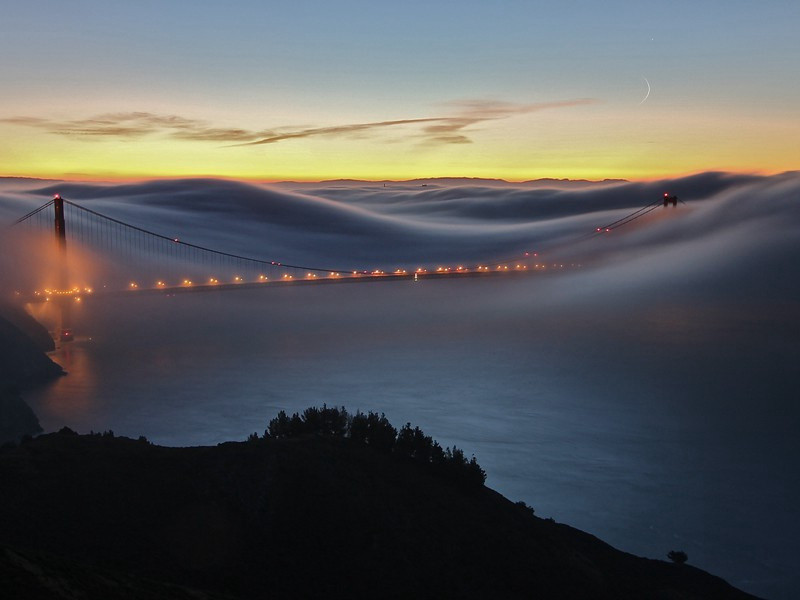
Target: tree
<point>278,427</point>
<point>677,556</point>
<point>373,430</point>
<point>476,475</point>
<point>526,507</point>
<point>326,421</point>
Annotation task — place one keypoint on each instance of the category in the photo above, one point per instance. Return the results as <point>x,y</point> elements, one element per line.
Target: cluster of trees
<point>376,432</point>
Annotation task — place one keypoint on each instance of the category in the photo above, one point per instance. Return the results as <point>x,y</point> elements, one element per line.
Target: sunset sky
<point>349,89</point>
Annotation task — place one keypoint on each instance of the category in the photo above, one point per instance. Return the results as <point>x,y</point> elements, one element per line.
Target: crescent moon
<point>647,95</point>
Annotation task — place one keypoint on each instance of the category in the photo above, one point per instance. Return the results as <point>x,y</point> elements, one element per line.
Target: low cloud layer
<point>729,222</point>
<point>450,128</point>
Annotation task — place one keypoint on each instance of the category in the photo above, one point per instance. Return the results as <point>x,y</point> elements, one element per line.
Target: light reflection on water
<point>72,397</point>
<point>655,428</point>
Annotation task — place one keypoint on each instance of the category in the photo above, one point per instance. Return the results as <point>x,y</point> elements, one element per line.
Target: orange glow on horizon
<point>593,143</point>
<point>644,177</point>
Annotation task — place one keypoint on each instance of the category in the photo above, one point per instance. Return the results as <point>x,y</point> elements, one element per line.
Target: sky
<point>349,89</point>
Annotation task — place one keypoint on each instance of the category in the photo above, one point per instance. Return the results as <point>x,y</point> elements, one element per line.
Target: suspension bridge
<point>108,257</point>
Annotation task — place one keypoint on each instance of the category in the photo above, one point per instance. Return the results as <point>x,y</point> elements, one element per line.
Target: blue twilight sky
<point>720,66</point>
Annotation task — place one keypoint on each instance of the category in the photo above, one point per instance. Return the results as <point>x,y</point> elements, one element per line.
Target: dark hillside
<point>305,516</point>
<point>36,576</point>
<point>23,363</point>
<point>34,330</point>
<point>23,343</point>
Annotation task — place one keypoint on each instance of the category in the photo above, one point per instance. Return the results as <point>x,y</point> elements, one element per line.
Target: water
<point>652,424</point>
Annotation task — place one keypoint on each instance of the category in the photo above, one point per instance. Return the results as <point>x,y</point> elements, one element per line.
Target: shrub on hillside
<point>677,556</point>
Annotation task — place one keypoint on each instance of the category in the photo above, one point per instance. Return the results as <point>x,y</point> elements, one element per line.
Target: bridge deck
<point>245,285</point>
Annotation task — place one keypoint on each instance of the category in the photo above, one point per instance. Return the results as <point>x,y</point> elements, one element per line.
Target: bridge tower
<point>61,229</point>
<point>63,330</point>
<point>670,200</point>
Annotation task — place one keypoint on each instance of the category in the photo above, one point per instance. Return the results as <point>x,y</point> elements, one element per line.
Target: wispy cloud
<point>136,125</point>
<point>336,130</point>
<point>435,130</point>
<point>451,128</point>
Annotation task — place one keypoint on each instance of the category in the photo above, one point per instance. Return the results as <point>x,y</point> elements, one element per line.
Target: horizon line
<point>89,178</point>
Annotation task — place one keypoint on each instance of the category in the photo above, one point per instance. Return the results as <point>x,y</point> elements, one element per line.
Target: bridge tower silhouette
<point>61,226</point>
<point>64,331</point>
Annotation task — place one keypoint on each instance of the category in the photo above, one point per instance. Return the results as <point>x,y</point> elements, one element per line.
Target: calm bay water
<point>654,425</point>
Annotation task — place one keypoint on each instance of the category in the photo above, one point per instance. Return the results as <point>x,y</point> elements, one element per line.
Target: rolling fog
<point>644,393</point>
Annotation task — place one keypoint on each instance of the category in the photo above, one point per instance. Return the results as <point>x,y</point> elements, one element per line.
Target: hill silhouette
<point>23,343</point>
<point>294,514</point>
<point>23,363</point>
